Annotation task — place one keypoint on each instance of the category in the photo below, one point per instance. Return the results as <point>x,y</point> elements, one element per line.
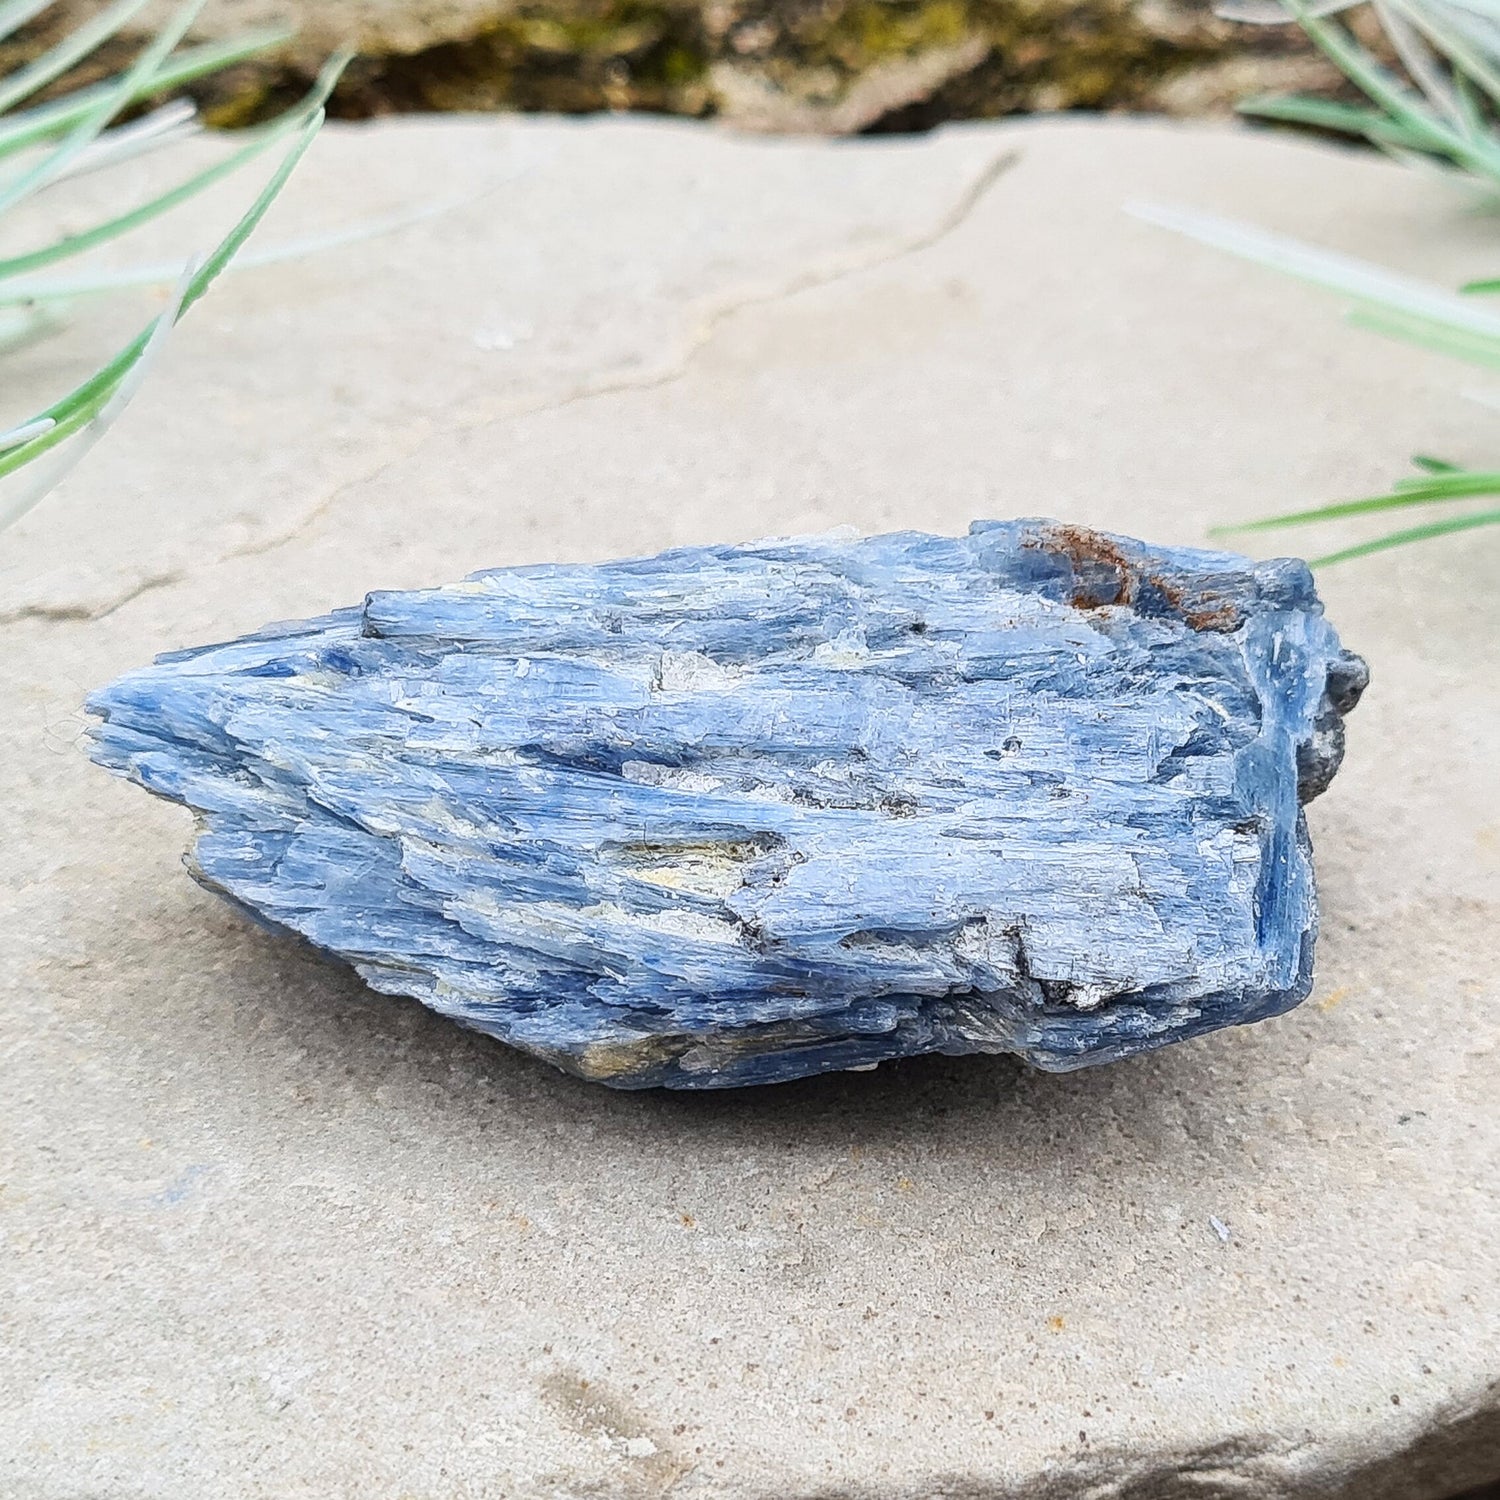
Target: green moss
<point>574,56</point>
<point>570,57</point>
<point>239,100</point>
<point>858,36</point>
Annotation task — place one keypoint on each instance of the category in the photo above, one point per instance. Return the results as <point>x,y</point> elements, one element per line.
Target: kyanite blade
<point>735,814</point>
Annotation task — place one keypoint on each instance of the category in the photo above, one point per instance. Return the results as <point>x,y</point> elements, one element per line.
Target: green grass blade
<point>83,134</point>
<point>1461,486</point>
<point>1326,114</point>
<point>1361,67</point>
<point>47,121</point>
<point>1425,306</point>
<point>1420,61</point>
<point>1404,29</point>
<point>1410,534</point>
<point>1469,101</point>
<point>1451,54</point>
<point>1474,347</point>
<point>22,326</point>
<point>75,410</point>
<point>24,433</point>
<point>16,13</point>
<point>225,251</point>
<point>33,292</point>
<point>1406,121</point>
<point>43,478</point>
<point>73,48</point>
<point>172,121</point>
<point>1273,12</point>
<point>1323,114</point>
<point>1456,47</point>
<point>110,229</point>
<point>62,428</point>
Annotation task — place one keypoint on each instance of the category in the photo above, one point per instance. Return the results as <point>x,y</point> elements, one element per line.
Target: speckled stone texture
<point>271,1235</point>
<point>733,815</point>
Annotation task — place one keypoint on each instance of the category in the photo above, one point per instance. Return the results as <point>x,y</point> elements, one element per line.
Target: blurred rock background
<point>834,67</point>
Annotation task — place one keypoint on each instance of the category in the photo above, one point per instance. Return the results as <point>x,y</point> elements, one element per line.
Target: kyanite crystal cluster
<point>732,815</point>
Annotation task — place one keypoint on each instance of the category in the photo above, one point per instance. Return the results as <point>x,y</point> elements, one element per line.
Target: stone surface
<point>268,1233</point>
<point>738,815</point>
<point>837,67</point>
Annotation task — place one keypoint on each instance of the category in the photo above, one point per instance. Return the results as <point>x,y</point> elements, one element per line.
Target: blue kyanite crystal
<point>732,815</point>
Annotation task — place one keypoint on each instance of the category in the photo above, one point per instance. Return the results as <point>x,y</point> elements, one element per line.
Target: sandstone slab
<point>268,1233</point>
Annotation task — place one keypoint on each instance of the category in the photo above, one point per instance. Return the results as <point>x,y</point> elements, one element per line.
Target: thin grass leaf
<point>31,291</point>
<point>86,131</point>
<point>1324,114</point>
<point>1409,535</point>
<point>270,135</point>
<point>1273,12</point>
<point>1378,82</point>
<point>1448,484</point>
<point>47,476</point>
<point>47,121</point>
<point>1461,486</point>
<point>16,13</point>
<point>21,327</point>
<point>25,432</point>
<point>1417,57</point>
<point>1469,102</point>
<point>1449,52</point>
<point>1360,279</point>
<point>1457,48</point>
<point>173,122</point>
<point>73,48</point>
<point>75,410</point>
<point>1452,53</point>
<point>1475,348</point>
<point>1482,30</point>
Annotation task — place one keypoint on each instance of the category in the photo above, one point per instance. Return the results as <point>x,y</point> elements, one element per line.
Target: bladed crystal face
<point>736,814</point>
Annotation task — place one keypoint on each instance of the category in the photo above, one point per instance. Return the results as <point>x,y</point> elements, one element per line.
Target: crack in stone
<point>677,369</point>
<point>70,613</point>
<point>954,219</point>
